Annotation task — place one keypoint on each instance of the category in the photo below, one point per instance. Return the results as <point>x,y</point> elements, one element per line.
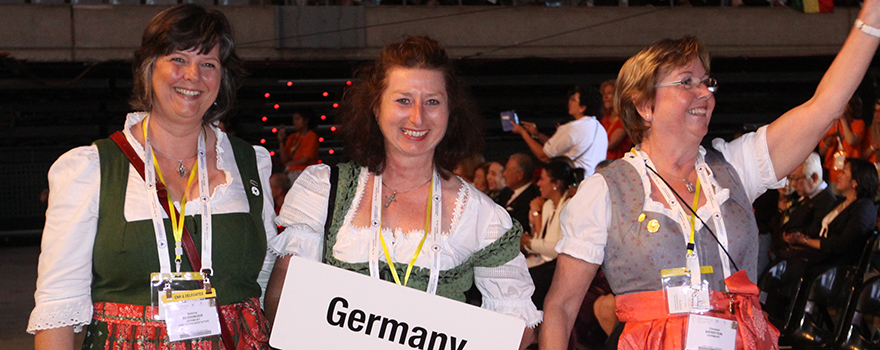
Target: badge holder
<point>705,330</point>
<point>681,296</point>
<point>186,302</point>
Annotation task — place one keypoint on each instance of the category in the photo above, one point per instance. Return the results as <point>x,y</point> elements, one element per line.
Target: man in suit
<point>816,200</point>
<point>520,191</point>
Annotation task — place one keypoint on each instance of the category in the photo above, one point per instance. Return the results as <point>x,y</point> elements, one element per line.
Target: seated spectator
<point>804,213</point>
<point>582,140</point>
<point>843,140</point>
<point>815,200</point>
<point>495,181</point>
<point>845,229</point>
<point>618,141</point>
<point>520,191</point>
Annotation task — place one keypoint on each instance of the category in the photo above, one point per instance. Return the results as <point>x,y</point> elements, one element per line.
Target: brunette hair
<point>637,77</point>
<point>364,140</point>
<point>864,173</point>
<point>182,28</point>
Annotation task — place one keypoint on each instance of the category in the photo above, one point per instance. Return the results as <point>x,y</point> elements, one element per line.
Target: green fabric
<point>453,283</point>
<point>125,252</point>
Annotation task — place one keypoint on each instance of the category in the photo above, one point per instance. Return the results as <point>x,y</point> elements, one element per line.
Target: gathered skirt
<point>128,327</point>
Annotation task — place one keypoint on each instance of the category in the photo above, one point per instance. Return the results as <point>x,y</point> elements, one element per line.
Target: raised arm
<point>791,137</point>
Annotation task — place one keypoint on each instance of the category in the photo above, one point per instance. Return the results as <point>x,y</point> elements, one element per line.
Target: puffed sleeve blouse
<point>63,296</point>
<point>477,222</point>
<point>585,221</point>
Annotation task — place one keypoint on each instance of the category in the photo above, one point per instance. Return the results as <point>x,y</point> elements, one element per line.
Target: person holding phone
<point>582,140</point>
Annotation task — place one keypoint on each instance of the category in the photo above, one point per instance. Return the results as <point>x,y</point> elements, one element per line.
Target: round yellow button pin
<point>653,226</point>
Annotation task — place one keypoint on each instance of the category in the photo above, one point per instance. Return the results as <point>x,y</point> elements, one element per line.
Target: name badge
<point>191,314</point>
<point>706,332</point>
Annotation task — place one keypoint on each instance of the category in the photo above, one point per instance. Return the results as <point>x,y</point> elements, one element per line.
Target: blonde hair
<point>637,77</point>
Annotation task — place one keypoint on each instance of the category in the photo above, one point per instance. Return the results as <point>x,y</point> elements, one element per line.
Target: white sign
<point>324,307</point>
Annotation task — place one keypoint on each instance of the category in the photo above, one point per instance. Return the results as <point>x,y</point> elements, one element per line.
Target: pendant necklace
<point>689,185</point>
<point>391,198</point>
<point>181,170</point>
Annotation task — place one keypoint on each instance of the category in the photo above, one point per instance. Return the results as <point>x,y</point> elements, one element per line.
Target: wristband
<point>872,31</point>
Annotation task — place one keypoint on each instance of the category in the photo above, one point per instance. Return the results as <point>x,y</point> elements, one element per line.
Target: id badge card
<point>681,295</point>
<point>181,300</point>
<point>191,314</point>
<point>707,332</point>
<point>166,283</point>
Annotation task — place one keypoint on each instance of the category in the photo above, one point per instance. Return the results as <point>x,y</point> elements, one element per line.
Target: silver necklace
<point>391,198</point>
<point>181,169</point>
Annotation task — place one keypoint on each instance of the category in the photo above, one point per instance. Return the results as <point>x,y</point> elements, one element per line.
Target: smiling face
<point>547,185</point>
<point>844,180</point>
<point>413,112</point>
<point>185,84</point>
<point>680,111</point>
<point>494,178</point>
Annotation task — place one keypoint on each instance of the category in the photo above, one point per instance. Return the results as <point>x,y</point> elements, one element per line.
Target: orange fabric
<point>858,128</point>
<point>624,146</point>
<point>302,147</point>
<point>649,326</point>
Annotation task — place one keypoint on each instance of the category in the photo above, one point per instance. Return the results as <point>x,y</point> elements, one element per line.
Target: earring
<point>554,188</point>
<point>648,117</point>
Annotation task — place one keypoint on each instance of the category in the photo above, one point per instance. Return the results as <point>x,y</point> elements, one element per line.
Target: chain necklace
<point>391,198</point>
<point>181,169</point>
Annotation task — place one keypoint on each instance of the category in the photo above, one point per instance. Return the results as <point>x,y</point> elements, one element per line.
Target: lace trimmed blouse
<point>63,296</point>
<point>476,223</point>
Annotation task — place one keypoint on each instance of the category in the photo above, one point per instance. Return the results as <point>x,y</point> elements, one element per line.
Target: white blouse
<point>63,296</point>
<point>586,221</point>
<point>544,247</point>
<point>476,223</point>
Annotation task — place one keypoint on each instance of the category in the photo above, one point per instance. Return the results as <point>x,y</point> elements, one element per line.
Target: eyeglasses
<point>793,178</point>
<point>693,83</point>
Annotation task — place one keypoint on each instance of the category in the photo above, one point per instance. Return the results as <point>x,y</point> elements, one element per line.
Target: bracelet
<point>872,31</point>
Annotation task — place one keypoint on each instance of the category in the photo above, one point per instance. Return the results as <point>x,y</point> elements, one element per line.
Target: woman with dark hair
<point>850,223</point>
<point>300,149</point>
<point>109,249</point>
<point>407,124</point>
<point>556,178</point>
<point>655,218</point>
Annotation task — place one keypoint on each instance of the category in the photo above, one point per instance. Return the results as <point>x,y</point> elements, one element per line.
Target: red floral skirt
<point>128,327</point>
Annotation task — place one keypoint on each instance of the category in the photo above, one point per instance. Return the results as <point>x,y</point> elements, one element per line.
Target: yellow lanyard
<point>692,217</point>
<point>176,223</point>
<point>418,250</point>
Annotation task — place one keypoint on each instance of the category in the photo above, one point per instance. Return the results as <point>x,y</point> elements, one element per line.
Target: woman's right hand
<point>282,134</point>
